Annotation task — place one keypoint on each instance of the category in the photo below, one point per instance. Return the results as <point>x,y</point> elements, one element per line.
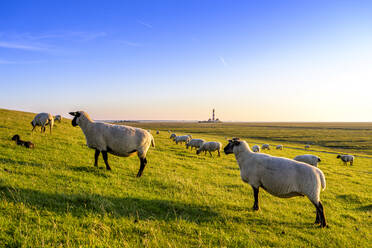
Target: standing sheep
<point>210,147</point>
<point>279,147</point>
<point>42,120</point>
<point>157,132</point>
<point>255,148</point>
<point>184,138</point>
<point>280,177</point>
<point>197,143</point>
<point>118,140</point>
<point>265,146</point>
<point>309,159</point>
<point>346,158</point>
<point>58,118</point>
<point>307,146</point>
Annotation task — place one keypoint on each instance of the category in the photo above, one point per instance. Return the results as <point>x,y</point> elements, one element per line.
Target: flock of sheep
<point>281,177</point>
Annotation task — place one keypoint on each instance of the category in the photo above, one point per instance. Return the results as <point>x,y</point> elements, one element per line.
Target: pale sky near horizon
<point>177,60</point>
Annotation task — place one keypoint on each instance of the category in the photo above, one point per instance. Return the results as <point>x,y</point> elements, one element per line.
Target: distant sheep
<point>210,147</point>
<point>280,177</point>
<point>181,139</point>
<point>307,147</point>
<point>118,140</point>
<point>169,131</point>
<point>27,144</point>
<point>279,147</point>
<point>256,148</point>
<point>265,147</point>
<point>157,132</point>
<point>196,143</point>
<point>42,120</point>
<point>309,159</point>
<point>58,118</point>
<point>346,158</point>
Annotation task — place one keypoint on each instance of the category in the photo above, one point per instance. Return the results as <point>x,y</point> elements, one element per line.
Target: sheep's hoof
<point>256,208</point>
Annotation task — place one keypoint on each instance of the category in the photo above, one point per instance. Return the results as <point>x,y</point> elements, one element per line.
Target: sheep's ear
<point>236,142</point>
<point>72,113</point>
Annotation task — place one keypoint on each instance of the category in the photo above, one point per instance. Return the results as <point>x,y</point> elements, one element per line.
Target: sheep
<point>173,136</point>
<point>346,158</point>
<point>157,132</point>
<point>265,146</point>
<point>183,138</point>
<point>42,119</point>
<point>255,148</point>
<point>57,118</point>
<point>280,177</point>
<point>27,144</point>
<point>210,147</point>
<point>307,147</point>
<point>169,131</point>
<point>308,159</point>
<point>197,143</point>
<point>118,140</point>
<point>279,147</point>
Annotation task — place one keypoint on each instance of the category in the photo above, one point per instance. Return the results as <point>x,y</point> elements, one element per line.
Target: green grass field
<point>52,196</point>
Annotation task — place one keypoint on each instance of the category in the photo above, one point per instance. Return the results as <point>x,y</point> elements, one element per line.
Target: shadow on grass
<point>97,171</point>
<point>365,208</point>
<point>17,162</point>
<point>83,205</point>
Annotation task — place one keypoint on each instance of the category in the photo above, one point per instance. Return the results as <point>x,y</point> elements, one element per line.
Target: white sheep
<point>210,147</point>
<point>280,177</point>
<point>346,158</point>
<point>265,146</point>
<point>42,120</point>
<point>173,136</point>
<point>183,138</point>
<point>57,118</point>
<point>256,148</point>
<point>279,147</point>
<point>309,159</point>
<point>197,143</point>
<point>118,140</point>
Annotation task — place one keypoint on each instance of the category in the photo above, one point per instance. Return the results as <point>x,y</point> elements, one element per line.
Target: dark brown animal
<point>27,144</point>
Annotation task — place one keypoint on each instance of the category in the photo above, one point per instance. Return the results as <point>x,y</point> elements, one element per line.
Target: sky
<point>177,60</point>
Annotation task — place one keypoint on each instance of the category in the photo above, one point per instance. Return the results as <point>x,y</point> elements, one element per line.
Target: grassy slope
<point>52,196</point>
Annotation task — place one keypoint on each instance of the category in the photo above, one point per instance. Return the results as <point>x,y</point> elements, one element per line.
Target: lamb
<point>118,140</point>
<point>265,146</point>
<point>57,118</point>
<point>183,138</point>
<point>27,144</point>
<point>279,147</point>
<point>280,177</point>
<point>42,119</point>
<point>308,159</point>
<point>173,136</point>
<point>210,147</point>
<point>197,143</point>
<point>255,148</point>
<point>346,158</point>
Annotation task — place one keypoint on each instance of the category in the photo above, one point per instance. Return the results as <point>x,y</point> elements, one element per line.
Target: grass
<point>52,196</point>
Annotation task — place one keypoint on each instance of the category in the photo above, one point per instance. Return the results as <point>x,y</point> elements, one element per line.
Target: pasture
<point>52,196</point>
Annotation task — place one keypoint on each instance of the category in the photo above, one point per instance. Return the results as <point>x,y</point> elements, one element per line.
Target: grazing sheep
<point>279,147</point>
<point>280,177</point>
<point>169,131</point>
<point>197,143</point>
<point>346,158</point>
<point>256,148</point>
<point>27,144</point>
<point>183,138</point>
<point>157,132</point>
<point>173,136</point>
<point>118,140</point>
<point>57,118</point>
<point>265,146</point>
<point>307,147</point>
<point>42,120</point>
<point>210,147</point>
<point>309,159</point>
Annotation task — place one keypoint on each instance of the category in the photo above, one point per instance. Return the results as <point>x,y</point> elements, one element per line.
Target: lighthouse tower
<point>213,115</point>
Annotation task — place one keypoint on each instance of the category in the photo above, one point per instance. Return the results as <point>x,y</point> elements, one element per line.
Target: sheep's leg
<point>255,194</point>
<point>317,219</point>
<point>96,155</point>
<point>142,166</point>
<point>104,155</point>
<point>219,154</point>
<point>320,214</point>
<point>351,163</point>
<point>33,129</point>
<point>210,153</point>
<point>50,129</point>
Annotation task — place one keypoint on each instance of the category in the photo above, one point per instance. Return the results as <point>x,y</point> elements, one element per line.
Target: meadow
<point>52,196</point>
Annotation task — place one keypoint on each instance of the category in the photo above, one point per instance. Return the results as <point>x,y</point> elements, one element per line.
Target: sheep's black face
<point>338,156</point>
<point>32,123</point>
<point>229,148</point>
<point>76,116</point>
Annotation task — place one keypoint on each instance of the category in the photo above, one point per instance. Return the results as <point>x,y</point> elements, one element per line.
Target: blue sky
<point>251,60</point>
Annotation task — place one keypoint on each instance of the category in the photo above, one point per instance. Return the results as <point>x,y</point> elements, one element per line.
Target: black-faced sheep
<point>118,140</point>
<point>210,147</point>
<point>196,143</point>
<point>346,158</point>
<point>309,159</point>
<point>27,144</point>
<point>42,120</point>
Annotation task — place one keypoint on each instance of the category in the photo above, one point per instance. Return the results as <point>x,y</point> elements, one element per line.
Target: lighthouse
<point>213,115</point>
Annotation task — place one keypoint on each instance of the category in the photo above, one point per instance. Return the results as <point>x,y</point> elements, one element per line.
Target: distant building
<point>212,120</point>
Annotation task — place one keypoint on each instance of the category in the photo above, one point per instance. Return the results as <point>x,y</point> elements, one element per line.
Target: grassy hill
<point>52,196</point>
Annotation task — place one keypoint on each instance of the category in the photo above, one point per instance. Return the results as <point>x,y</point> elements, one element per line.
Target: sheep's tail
<point>152,141</point>
<point>322,179</point>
